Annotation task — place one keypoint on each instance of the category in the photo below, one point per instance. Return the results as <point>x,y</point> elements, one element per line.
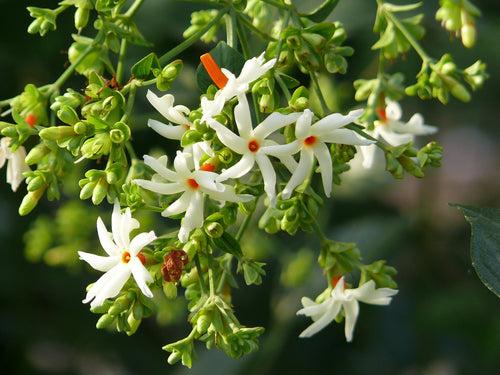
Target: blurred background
<point>444,321</point>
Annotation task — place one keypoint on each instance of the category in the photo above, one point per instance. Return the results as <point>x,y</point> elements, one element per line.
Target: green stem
<point>165,58</point>
<point>200,274</point>
<point>283,87</point>
<point>231,29</point>
<point>71,69</point>
<point>133,8</point>
<point>321,98</point>
<point>121,58</point>
<point>414,43</point>
<point>131,151</point>
<point>130,103</point>
<point>244,20</point>
<point>384,146</point>
<point>276,4</point>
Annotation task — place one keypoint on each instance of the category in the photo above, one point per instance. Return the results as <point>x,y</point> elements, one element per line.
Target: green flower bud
<point>214,229</point>
<point>203,322</point>
<point>105,321</point>
<point>300,99</point>
<point>30,201</point>
<point>36,154</point>
<point>189,278</point>
<point>100,191</point>
<point>10,131</point>
<point>460,92</point>
<point>116,136</point>
<point>315,40</point>
<point>190,137</point>
<point>81,17</point>
<point>87,190</point>
<point>36,183</point>
<point>133,324</point>
<point>114,173</point>
<point>172,70</point>
<point>80,127</point>
<point>67,115</point>
<point>174,357</point>
<point>57,133</point>
<point>121,304</point>
<point>170,290</point>
<point>225,156</point>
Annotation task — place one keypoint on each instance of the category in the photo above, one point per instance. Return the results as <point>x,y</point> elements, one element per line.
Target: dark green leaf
<point>322,12</point>
<point>226,57</point>
<point>485,244</point>
<point>142,69</point>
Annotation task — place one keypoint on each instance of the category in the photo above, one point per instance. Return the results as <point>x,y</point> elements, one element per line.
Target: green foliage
<point>485,240</point>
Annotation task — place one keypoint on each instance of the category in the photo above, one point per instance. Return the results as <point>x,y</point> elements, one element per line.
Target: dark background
<point>444,321</point>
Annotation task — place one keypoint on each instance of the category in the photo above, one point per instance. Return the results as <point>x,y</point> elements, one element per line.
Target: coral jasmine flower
<point>192,184</point>
<point>311,142</point>
<point>16,165</point>
<point>347,299</point>
<point>252,144</point>
<point>393,130</point>
<point>124,258</point>
<point>178,114</point>
<point>233,86</point>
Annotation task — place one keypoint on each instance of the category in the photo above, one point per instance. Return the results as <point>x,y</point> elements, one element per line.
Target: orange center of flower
<point>253,146</point>
<point>381,114</point>
<point>126,257</point>
<point>213,70</point>
<point>309,141</point>
<point>30,120</point>
<point>192,183</point>
<point>186,126</point>
<point>208,167</point>
<point>335,280</point>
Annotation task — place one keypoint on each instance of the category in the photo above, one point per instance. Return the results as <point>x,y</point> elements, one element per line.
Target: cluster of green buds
<point>315,48</point>
<point>395,32</point>
<point>406,158</point>
<point>290,215</point>
<point>45,20</point>
<point>458,16</point>
<point>198,21</point>
<point>126,312</point>
<point>440,79</point>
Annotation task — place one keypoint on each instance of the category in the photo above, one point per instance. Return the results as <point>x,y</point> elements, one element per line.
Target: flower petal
<point>141,276</point>
<point>179,206</point>
<point>368,153</point>
<point>393,111</point>
<point>325,164</point>
<point>105,238</point>
<point>165,105</point>
<point>167,131</point>
<point>99,263</point>
<point>395,139</point>
<point>108,285</point>
<point>345,137</point>
<point>282,150</point>
<point>351,311</point>
<point>274,122</point>
<point>300,174</point>
<point>160,168</point>
<point>207,180</point>
<point>368,293</point>
<point>193,217</point>
<point>228,195</point>
<point>116,224</point>
<point>140,241</point>
<point>303,126</point>
<point>181,165</point>
<point>242,117</point>
<point>329,315</point>
<point>238,170</point>
<point>159,187</point>
<point>269,177</point>
<point>335,121</point>
<point>228,138</point>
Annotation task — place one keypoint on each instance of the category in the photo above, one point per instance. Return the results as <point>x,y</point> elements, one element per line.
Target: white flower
<point>16,164</point>
<point>192,184</point>
<point>178,114</point>
<point>394,131</point>
<point>347,299</point>
<point>124,258</point>
<point>252,144</point>
<point>311,142</point>
<point>252,70</point>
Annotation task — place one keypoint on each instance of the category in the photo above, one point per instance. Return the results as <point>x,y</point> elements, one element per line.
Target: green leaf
<point>142,69</point>
<point>228,244</point>
<point>226,57</point>
<point>322,12</point>
<point>485,243</point>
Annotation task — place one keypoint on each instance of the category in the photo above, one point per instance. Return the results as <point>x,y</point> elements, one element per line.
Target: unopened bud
<point>170,290</point>
<point>30,201</point>
<point>105,321</point>
<point>100,191</point>
<point>57,133</point>
<point>214,229</point>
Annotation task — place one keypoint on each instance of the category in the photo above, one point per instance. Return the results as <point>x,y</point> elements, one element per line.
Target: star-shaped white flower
<point>252,144</point>
<point>311,142</point>
<point>16,164</point>
<point>192,184</point>
<point>394,131</point>
<point>347,299</point>
<point>124,258</point>
<point>177,114</point>
<point>252,70</point>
